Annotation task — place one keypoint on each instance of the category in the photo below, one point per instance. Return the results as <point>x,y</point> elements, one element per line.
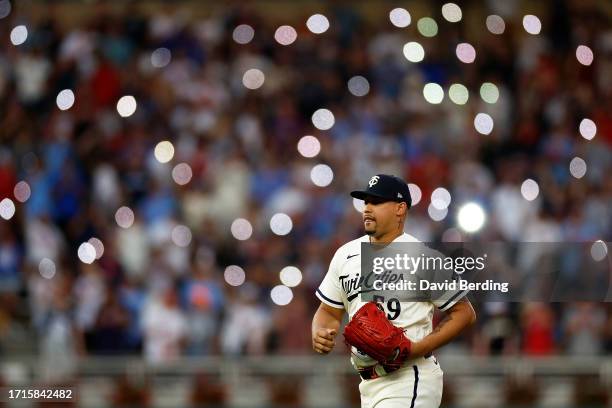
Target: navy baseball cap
<point>385,186</point>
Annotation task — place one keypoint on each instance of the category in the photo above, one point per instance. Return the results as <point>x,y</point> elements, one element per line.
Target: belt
<point>370,373</point>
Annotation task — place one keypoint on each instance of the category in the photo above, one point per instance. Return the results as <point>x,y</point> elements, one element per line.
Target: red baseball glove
<point>373,334</point>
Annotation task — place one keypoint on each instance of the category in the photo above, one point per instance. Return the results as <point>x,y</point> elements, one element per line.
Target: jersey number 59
<point>393,306</point>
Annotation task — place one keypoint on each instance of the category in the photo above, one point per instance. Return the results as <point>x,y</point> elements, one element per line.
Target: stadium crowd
<point>155,292</point>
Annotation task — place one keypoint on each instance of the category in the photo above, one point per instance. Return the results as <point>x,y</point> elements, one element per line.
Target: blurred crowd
<point>153,295</point>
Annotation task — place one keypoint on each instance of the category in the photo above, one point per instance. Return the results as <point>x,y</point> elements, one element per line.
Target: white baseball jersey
<point>417,385</point>
<point>340,289</point>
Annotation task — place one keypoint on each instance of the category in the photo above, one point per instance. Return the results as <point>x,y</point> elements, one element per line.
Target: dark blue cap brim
<point>361,195</point>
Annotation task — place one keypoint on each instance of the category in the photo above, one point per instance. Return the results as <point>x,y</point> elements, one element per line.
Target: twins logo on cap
<point>373,181</point>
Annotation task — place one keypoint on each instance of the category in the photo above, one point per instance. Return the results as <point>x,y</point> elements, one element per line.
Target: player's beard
<point>371,229</point>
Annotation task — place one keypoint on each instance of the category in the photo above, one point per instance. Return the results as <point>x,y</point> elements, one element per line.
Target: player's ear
<point>401,209</point>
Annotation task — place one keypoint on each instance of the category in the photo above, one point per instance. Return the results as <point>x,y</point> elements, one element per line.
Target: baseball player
<point>411,377</point>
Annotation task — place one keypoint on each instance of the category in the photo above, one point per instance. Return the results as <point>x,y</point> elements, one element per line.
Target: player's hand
<point>323,340</point>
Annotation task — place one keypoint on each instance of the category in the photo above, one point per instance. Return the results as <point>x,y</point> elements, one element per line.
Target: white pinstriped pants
<point>418,385</point>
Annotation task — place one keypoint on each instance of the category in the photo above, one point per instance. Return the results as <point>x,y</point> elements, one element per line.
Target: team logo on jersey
<point>351,285</point>
<point>354,285</point>
<point>373,181</point>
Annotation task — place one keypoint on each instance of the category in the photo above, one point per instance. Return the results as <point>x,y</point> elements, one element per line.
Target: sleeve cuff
<point>328,301</point>
<point>453,299</point>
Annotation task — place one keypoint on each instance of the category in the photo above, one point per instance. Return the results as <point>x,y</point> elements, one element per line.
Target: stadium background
<point>159,319</point>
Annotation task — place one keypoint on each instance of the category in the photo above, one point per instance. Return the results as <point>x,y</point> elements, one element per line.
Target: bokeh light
<point>427,26</point>
<point>322,175</point>
<point>46,268</point>
<point>495,24</point>
<point>452,12</point>
<point>7,208</point>
<point>65,99</point>
<point>359,205</point>
<point>164,151</point>
<point>414,52</point>
<point>459,94</point>
<point>358,86</point>
<point>436,214</point>
<point>22,191</point>
<point>126,106</point>
<point>243,34</point>
<point>433,93</point>
<point>285,35</point>
<point>281,295</point>
<point>281,224</point>
<point>483,123</point>
<point>471,217</point>
<point>317,23</point>
<point>241,229</point>
<point>161,57</point>
<point>253,78</point>
<point>86,253</point>
<point>530,189</point>
<point>578,167</point>
<point>98,246</point>
<point>182,174</point>
<point>181,236</point>
<point>532,24</point>
<point>588,129</point>
<point>290,276</point>
<point>5,8</point>
<point>323,119</point>
<point>19,35</point>
<point>309,146</point>
<point>489,92</point>
<point>234,275</point>
<point>440,198</point>
<point>466,53</point>
<point>415,193</point>
<point>124,217</point>
<point>584,55</point>
<point>400,17</point>
<point>599,250</point>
